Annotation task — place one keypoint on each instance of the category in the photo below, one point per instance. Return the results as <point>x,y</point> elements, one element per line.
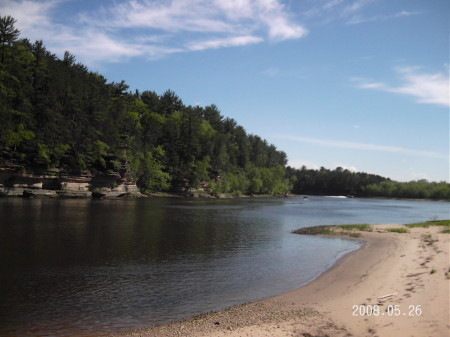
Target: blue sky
<point>361,84</point>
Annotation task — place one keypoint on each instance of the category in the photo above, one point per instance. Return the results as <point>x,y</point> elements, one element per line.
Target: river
<point>87,267</point>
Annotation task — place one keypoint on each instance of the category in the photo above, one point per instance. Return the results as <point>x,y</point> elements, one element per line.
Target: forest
<point>56,114</point>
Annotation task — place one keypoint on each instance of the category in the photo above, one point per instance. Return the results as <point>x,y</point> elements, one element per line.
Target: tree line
<point>56,114</point>
<point>344,182</point>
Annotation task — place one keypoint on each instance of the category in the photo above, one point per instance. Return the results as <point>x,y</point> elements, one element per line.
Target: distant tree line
<point>56,114</point>
<point>420,189</point>
<point>344,182</point>
<point>331,182</point>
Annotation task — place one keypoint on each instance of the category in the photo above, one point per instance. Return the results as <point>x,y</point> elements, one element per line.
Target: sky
<point>360,84</point>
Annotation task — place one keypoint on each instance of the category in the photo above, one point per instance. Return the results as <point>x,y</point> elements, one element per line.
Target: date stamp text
<point>390,310</point>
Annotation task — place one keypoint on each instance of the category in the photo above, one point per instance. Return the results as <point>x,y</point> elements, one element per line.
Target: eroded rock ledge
<point>17,181</point>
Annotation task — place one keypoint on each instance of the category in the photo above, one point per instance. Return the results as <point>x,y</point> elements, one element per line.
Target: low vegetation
<point>361,227</point>
<point>326,230</point>
<point>398,230</point>
<point>445,223</point>
<point>442,223</point>
<point>352,229</point>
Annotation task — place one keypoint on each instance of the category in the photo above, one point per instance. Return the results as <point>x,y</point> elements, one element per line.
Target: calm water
<point>77,267</point>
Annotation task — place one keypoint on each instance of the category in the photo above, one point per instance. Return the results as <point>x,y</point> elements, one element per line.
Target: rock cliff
<point>17,181</point>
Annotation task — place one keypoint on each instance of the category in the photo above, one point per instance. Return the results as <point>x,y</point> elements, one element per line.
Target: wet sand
<point>397,284</point>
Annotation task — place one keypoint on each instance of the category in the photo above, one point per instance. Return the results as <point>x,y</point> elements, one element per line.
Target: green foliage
<point>331,182</point>
<point>43,156</point>
<point>8,34</point>
<point>150,170</point>
<point>99,150</point>
<point>344,182</point>
<point>18,135</point>
<point>58,153</point>
<point>200,171</point>
<point>56,113</point>
<point>420,189</point>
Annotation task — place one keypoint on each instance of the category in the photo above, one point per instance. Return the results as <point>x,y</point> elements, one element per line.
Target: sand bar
<point>397,284</point>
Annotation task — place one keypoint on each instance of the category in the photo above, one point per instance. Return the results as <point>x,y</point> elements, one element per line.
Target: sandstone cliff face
<point>16,181</point>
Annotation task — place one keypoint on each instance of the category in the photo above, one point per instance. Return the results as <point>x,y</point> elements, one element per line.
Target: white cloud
<point>357,18</point>
<point>365,146</point>
<point>406,13</point>
<point>332,4</point>
<point>356,6</point>
<point>299,163</point>
<point>430,88</point>
<point>332,10</point>
<point>33,18</point>
<point>346,167</point>
<point>350,12</point>
<point>94,47</point>
<point>219,16</point>
<point>226,42</point>
<point>158,27</point>
<point>35,21</point>
<point>169,16</point>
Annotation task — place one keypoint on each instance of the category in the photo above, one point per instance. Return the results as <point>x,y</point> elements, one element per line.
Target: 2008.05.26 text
<point>390,310</point>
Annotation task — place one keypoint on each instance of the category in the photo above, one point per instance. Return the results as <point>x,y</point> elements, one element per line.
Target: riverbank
<point>397,284</point>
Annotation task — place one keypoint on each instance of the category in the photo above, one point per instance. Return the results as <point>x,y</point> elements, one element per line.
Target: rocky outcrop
<point>17,181</point>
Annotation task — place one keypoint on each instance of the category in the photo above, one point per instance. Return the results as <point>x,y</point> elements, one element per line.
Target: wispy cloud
<point>357,19</point>
<point>430,88</point>
<point>225,42</point>
<point>364,146</point>
<point>264,17</point>
<point>158,27</point>
<point>350,12</point>
<point>331,10</point>
<point>29,13</point>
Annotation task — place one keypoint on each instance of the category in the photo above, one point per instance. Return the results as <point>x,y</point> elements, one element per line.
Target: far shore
<point>397,284</point>
<point>30,193</point>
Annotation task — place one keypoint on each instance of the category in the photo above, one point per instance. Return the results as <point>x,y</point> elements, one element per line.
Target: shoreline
<point>32,193</point>
<point>391,271</point>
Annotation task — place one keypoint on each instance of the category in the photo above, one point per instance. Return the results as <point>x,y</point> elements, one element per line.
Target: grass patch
<point>361,227</point>
<point>316,230</point>
<point>326,230</point>
<point>444,223</point>
<point>397,230</point>
<point>433,271</point>
<point>447,231</point>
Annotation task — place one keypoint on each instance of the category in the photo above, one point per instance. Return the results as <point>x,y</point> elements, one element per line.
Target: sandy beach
<point>397,284</point>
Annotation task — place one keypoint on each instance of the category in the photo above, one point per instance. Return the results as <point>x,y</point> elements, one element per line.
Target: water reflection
<point>74,267</point>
